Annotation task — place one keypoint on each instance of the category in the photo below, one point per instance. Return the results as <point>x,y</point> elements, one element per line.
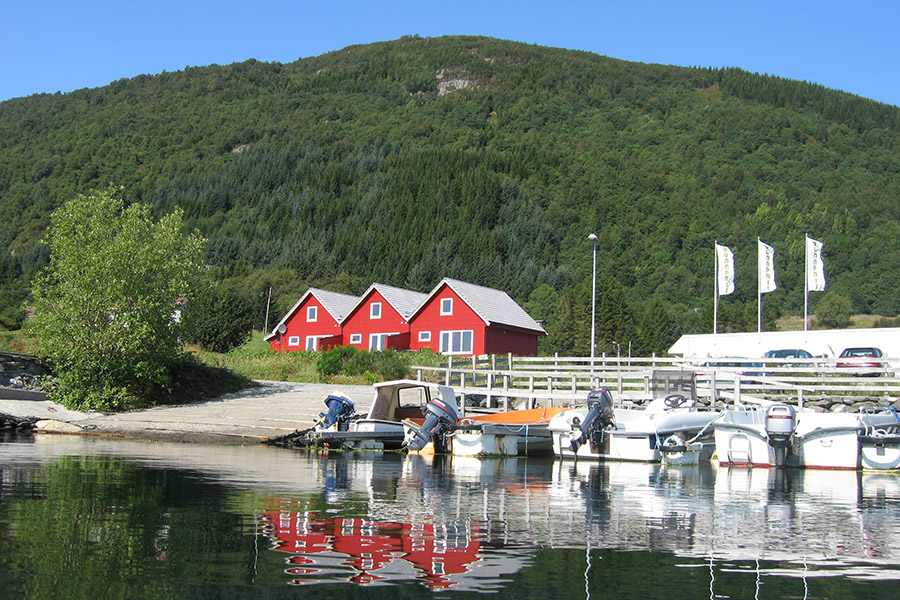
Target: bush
<point>218,319</point>
<point>348,360</point>
<point>834,310</point>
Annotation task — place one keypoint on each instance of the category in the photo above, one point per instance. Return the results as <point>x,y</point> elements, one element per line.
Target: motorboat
<point>511,433</point>
<point>779,435</point>
<point>672,429</point>
<point>379,429</point>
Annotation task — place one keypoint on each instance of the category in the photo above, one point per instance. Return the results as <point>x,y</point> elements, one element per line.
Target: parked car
<point>788,353</point>
<point>726,370</point>
<point>864,361</point>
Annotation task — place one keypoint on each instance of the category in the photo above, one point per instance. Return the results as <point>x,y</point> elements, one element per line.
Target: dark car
<point>785,353</point>
<point>788,353</point>
<point>865,361</point>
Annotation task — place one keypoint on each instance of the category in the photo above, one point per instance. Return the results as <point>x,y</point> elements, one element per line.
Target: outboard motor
<point>781,419</point>
<point>440,415</point>
<point>340,409</point>
<point>598,417</point>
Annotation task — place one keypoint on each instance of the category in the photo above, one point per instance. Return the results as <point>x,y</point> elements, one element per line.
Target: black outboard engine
<point>598,417</point>
<point>340,409</point>
<point>440,416</point>
<point>781,419</point>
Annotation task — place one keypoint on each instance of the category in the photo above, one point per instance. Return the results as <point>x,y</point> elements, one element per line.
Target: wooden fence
<point>507,382</point>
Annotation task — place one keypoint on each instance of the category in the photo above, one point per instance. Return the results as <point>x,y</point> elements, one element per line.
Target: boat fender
<point>673,443</point>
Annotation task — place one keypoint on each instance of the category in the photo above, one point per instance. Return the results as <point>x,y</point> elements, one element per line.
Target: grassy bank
<point>256,360</point>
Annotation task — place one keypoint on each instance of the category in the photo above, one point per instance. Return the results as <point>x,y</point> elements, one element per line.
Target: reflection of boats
<point>673,429</point>
<point>783,436</point>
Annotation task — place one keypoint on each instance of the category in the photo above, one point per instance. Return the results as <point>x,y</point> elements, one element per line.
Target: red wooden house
<point>468,319</point>
<point>314,322</point>
<point>380,318</point>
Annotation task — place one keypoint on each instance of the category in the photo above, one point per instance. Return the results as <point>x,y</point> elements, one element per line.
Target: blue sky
<point>54,45</point>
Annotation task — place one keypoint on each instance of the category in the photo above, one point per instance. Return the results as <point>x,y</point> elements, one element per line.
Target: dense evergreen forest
<point>484,160</point>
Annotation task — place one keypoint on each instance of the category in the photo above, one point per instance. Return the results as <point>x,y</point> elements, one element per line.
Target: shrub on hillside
<point>348,360</point>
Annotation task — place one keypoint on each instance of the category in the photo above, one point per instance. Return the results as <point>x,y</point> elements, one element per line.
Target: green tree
<point>219,318</point>
<point>105,303</point>
<point>834,310</point>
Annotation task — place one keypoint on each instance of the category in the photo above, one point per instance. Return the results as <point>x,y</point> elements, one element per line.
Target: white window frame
<point>312,314</point>
<point>424,336</point>
<point>375,310</point>
<point>446,307</point>
<point>457,339</point>
<point>294,340</point>
<point>313,340</point>
<point>378,341</point>
<point>356,338</point>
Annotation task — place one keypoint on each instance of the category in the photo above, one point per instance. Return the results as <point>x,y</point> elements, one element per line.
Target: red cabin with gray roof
<point>381,318</point>
<point>313,323</point>
<point>467,319</point>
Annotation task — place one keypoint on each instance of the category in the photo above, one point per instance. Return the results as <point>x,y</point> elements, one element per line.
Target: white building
<point>827,343</point>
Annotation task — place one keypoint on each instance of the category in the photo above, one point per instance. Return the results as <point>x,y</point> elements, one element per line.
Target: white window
<point>424,336</point>
<point>312,342</point>
<point>356,338</point>
<point>312,312</point>
<point>294,340</point>
<point>456,342</point>
<point>446,306</point>
<point>375,310</point>
<point>378,341</point>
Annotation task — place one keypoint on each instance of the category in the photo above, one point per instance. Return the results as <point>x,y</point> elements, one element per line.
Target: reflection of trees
<point>103,528</point>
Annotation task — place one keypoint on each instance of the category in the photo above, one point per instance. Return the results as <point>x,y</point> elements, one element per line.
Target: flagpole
<point>716,288</point>
<point>758,289</point>
<point>806,287</point>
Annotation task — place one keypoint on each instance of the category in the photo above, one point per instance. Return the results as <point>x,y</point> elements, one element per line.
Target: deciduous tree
<point>105,303</point>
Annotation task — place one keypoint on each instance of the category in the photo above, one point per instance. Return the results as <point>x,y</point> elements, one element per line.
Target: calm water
<point>96,518</point>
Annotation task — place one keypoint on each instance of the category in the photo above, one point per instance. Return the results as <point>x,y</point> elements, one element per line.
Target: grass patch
<point>19,341</point>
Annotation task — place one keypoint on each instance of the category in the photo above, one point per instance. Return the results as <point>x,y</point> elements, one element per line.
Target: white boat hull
<point>639,436</point>
<point>498,443</point>
<point>819,441</point>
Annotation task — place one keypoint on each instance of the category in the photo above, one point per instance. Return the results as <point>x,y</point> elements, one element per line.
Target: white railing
<point>505,382</point>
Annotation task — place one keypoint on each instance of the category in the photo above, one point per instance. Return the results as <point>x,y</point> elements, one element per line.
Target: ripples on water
<point>80,516</point>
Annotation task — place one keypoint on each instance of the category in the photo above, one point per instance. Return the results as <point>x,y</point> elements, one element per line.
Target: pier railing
<point>507,382</point>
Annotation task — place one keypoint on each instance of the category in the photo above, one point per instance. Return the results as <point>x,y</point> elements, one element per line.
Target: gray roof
<point>495,307</point>
<point>405,302</point>
<point>338,305</point>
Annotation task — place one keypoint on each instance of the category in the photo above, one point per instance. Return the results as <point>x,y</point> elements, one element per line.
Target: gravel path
<point>252,415</point>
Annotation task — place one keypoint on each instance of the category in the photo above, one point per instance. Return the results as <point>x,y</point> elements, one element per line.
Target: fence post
<point>506,388</point>
<point>532,399</point>
<point>449,370</point>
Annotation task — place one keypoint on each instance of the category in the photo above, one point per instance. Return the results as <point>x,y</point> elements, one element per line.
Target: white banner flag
<point>766,267</point>
<point>815,266</point>
<point>725,267</point>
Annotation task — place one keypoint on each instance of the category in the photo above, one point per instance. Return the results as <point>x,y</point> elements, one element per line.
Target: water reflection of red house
<point>435,553</point>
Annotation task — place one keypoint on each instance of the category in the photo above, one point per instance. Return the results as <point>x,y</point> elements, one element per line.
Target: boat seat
<point>407,412</point>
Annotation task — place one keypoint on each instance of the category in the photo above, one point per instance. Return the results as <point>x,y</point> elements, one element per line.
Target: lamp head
<point>593,237</point>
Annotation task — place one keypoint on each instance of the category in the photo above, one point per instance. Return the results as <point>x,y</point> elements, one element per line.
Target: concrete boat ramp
<point>254,415</point>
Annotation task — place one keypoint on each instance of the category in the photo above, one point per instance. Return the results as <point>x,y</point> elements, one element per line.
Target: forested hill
<point>484,160</point>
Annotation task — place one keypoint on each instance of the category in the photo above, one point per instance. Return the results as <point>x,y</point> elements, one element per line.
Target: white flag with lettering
<point>725,266</point>
<point>815,266</point>
<point>766,267</point>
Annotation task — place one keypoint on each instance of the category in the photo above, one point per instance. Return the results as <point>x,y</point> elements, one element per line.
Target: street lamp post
<point>593,238</point>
